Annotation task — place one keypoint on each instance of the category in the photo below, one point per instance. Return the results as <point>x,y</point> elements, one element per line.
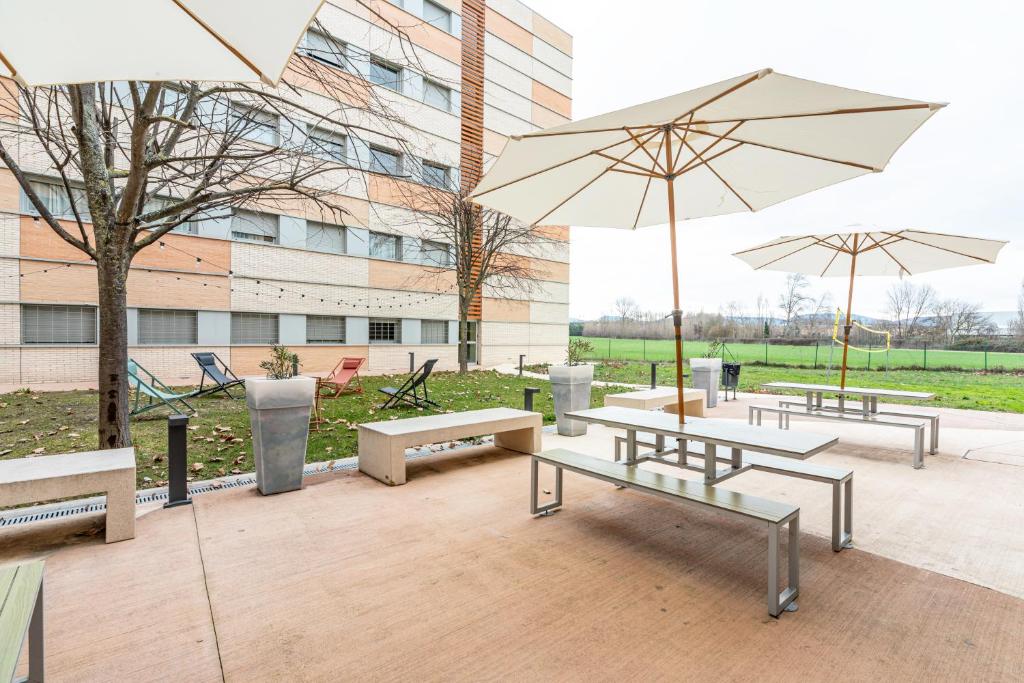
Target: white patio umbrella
<point>739,145</point>
<point>49,42</point>
<point>879,252</point>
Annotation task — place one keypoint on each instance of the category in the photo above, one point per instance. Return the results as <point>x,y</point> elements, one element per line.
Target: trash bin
<point>730,378</point>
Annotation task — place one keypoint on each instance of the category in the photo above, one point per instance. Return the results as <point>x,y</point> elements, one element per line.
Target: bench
<point>382,444</point>
<point>776,515</point>
<point>784,414</point>
<point>931,416</point>
<point>49,477</point>
<point>661,397</point>
<point>21,616</point>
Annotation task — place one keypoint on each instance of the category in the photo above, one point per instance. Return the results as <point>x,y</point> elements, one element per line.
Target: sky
<point>962,172</point>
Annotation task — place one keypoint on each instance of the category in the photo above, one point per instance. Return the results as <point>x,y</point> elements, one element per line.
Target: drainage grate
<point>41,513</point>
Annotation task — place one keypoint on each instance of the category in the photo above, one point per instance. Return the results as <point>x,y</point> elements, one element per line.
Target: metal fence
<point>813,353</point>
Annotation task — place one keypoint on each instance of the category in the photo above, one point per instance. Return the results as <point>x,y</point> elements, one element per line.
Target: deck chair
<point>410,391</point>
<point>344,373</point>
<point>219,373</point>
<point>156,393</point>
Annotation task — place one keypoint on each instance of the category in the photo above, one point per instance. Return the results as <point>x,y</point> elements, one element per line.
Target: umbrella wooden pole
<point>849,313</point>
<point>677,314</point>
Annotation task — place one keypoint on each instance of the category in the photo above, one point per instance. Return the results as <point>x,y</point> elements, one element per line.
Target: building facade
<point>240,283</point>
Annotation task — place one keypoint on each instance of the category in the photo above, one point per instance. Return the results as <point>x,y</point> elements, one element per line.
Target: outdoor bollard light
<point>654,375</point>
<point>177,465</point>
<point>528,393</point>
<point>521,357</point>
<point>412,361</point>
<point>295,366</point>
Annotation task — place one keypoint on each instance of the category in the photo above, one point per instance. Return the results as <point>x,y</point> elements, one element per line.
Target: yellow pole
<point>849,312</point>
<point>677,314</point>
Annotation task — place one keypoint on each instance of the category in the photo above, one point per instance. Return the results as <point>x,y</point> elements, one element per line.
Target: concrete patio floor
<point>449,577</point>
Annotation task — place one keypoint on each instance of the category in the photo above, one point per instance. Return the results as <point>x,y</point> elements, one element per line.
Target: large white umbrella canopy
<point>738,145</point>
<point>875,252</point>
<point>50,42</point>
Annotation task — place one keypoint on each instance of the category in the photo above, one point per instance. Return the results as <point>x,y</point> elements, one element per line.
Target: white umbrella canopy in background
<point>869,253</point>
<point>50,42</point>
<point>739,145</point>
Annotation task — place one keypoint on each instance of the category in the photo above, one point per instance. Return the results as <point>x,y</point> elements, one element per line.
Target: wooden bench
<point>754,414</point>
<point>776,515</point>
<point>21,616</point>
<point>839,478</point>
<point>661,397</point>
<point>382,444</point>
<point>931,416</point>
<point>49,477</point>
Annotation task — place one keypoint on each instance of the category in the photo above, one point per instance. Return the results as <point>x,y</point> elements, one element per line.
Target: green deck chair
<point>156,393</point>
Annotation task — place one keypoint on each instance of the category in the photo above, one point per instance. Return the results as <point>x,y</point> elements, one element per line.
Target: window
<point>325,329</point>
<point>252,226</point>
<point>436,175</point>
<point>434,332</point>
<point>325,237</point>
<point>385,246</point>
<point>327,145</point>
<point>168,327</point>
<point>254,328</point>
<point>438,16</point>
<point>52,324</point>
<point>385,161</point>
<point>385,331</point>
<point>436,253</point>
<point>437,95</point>
<point>255,124</point>
<point>385,74</point>
<point>189,227</point>
<point>325,49</point>
<point>55,198</point>
<point>471,341</point>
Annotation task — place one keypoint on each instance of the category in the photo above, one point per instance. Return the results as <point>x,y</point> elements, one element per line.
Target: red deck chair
<point>342,376</point>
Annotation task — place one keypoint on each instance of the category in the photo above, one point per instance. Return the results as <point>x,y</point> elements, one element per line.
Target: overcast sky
<point>962,172</point>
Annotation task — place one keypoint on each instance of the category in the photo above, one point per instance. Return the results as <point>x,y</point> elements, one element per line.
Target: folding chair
<point>218,372</point>
<point>343,374</point>
<point>410,391</point>
<point>156,392</point>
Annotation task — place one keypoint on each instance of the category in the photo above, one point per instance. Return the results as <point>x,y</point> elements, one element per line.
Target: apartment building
<point>240,283</point>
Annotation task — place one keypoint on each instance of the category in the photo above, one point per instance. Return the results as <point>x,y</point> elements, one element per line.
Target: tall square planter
<point>570,389</point>
<point>706,374</point>
<point>279,415</point>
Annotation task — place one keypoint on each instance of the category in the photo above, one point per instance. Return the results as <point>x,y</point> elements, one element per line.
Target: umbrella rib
<point>727,91</point>
<point>647,188</point>
<point>694,167</point>
<point>654,159</point>
<point>707,149</point>
<point>231,48</point>
<point>720,178</point>
<point>616,129</point>
<point>792,151</point>
<point>10,67</point>
<point>834,112</point>
<point>888,253</point>
<point>950,251</point>
<point>638,167</point>
<point>795,251</point>
<point>835,255</point>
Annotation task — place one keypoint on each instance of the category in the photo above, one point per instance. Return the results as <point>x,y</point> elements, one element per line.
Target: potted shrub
<point>707,371</point>
<point>279,413</point>
<point>570,387</point>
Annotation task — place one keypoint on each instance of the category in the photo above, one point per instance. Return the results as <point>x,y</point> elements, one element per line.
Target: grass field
<point>1002,392</point>
<point>806,356</point>
<point>219,444</point>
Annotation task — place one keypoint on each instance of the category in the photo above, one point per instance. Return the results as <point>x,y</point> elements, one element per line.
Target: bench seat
<point>930,415</point>
<point>774,514</point>
<point>382,444</point>
<point>49,477</point>
<point>21,616</point>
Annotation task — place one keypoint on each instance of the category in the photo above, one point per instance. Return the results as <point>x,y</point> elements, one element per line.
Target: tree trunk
<point>111,275</point>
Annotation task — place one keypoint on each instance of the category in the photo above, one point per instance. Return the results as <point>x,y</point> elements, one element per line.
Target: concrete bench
<point>754,414</point>
<point>21,616</point>
<point>49,477</point>
<point>776,515</point>
<point>382,444</point>
<point>839,478</point>
<point>661,397</point>
<point>930,415</point>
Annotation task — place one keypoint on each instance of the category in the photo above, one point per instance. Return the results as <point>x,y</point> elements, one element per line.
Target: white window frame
<point>255,120</point>
<point>447,95</point>
<point>397,328</point>
<point>433,246</point>
<point>443,18</point>
<point>387,66</point>
<point>441,324</point>
<point>386,235</point>
<point>317,136</point>
<point>189,320</point>
<point>338,320</point>
<point>445,173</point>
<point>54,196</point>
<point>315,240</point>
<point>238,318</point>
<point>87,319</point>
<point>253,236</point>
<point>335,60</point>
<point>377,167</point>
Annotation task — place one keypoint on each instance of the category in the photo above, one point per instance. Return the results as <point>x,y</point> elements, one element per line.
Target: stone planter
<point>706,374</point>
<point>570,387</point>
<point>279,414</point>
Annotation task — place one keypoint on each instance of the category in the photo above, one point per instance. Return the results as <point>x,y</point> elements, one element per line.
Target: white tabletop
<point>857,391</point>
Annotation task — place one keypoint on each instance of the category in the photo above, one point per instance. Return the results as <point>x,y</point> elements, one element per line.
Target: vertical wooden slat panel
<point>472,131</point>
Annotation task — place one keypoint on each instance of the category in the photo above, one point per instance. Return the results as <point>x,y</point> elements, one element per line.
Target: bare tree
<point>1018,324</point>
<point>136,160</point>
<point>906,305</point>
<point>956,319</point>
<point>794,300</point>
<point>490,253</point>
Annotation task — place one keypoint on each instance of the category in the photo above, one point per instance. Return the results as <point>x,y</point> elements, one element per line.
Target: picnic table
<point>868,397</point>
<point>708,431</point>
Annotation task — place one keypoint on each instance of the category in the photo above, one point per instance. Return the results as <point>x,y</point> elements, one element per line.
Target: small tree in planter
<point>707,371</point>
<point>279,413</point>
<point>570,387</point>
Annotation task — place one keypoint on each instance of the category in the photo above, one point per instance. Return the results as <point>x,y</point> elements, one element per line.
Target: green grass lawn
<point>973,390</point>
<point>806,355</point>
<point>219,443</point>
